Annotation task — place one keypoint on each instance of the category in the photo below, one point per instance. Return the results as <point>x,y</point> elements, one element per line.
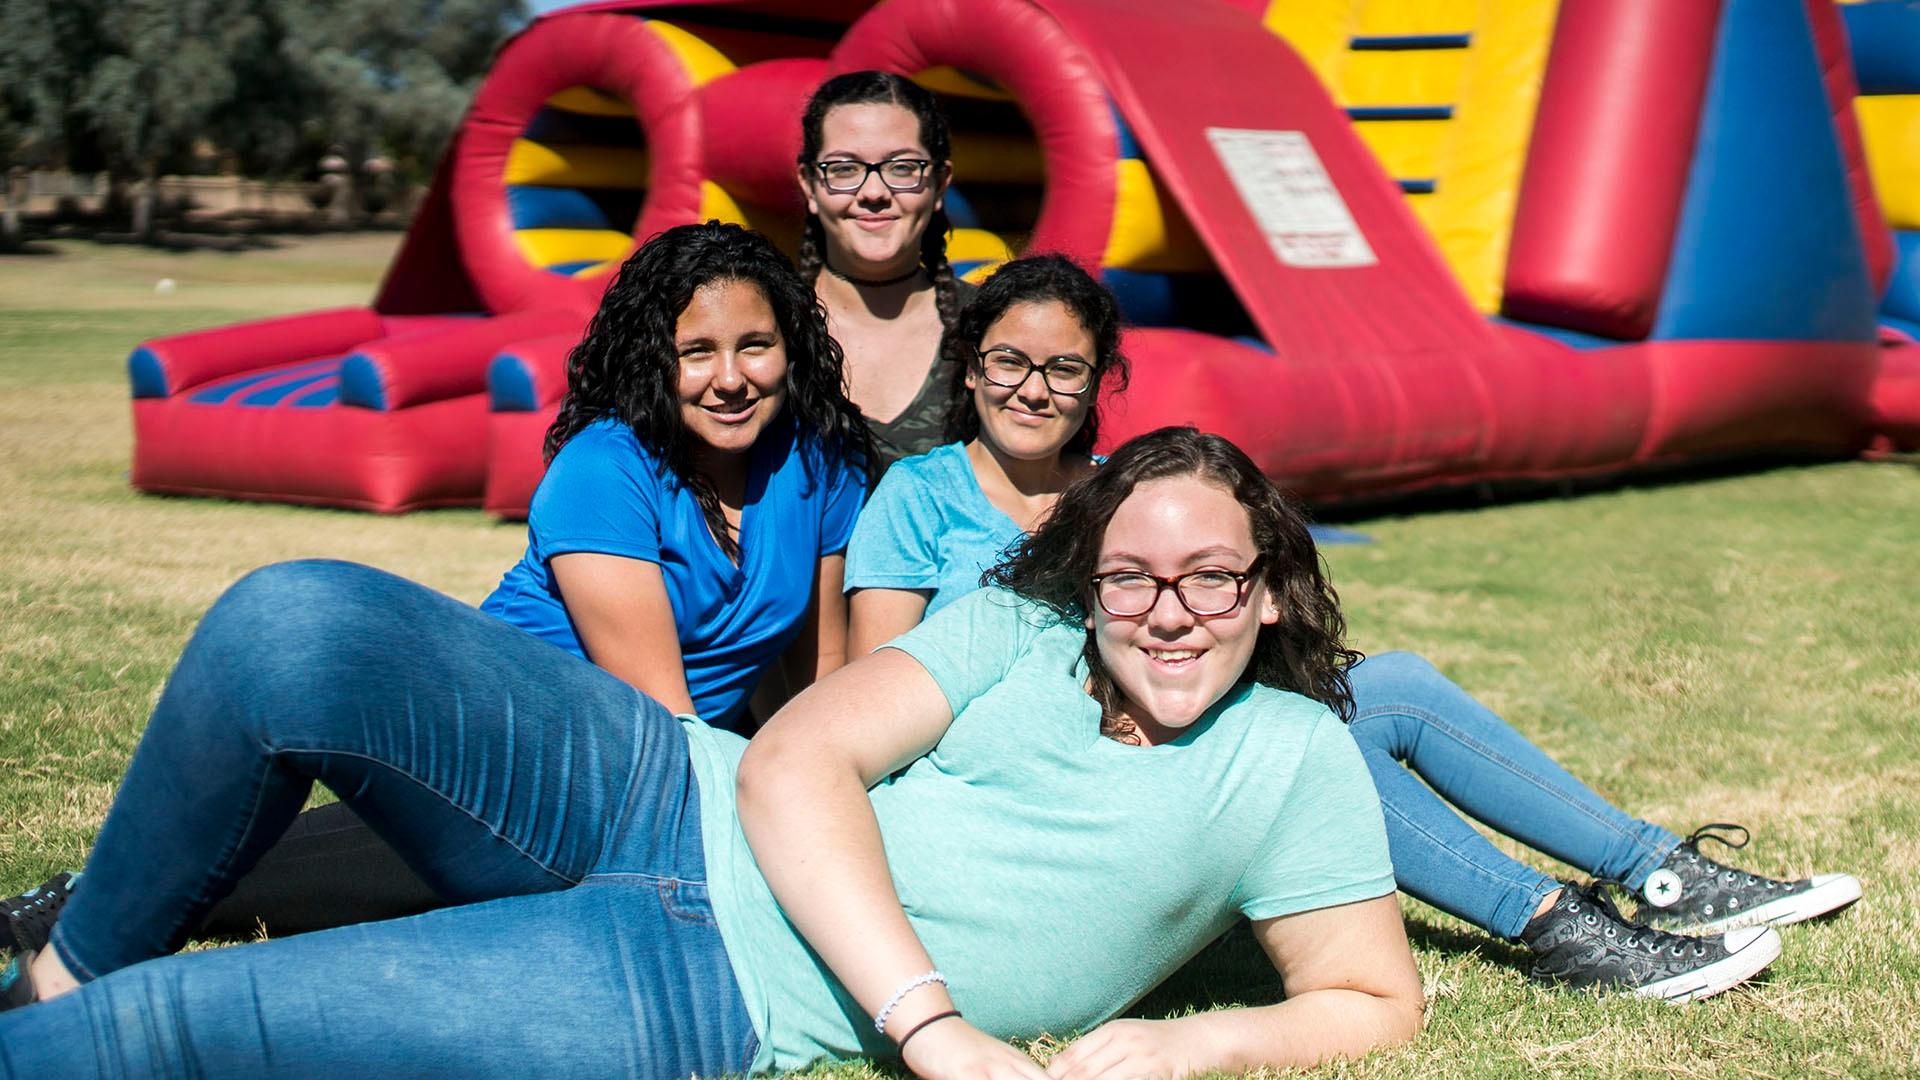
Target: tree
<point>131,86</point>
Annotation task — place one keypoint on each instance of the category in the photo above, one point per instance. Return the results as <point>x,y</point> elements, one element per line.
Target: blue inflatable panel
<point>326,395</point>
<point>554,208</point>
<point>1572,338</point>
<point>1129,146</point>
<point>568,269</point>
<point>510,385</point>
<point>1327,534</point>
<point>1906,326</point>
<point>959,210</point>
<point>257,388</point>
<point>557,127</point>
<point>1884,37</point>
<point>1203,302</point>
<point>1766,247</point>
<point>360,383</point>
<point>144,371</point>
<point>278,392</point>
<point>1902,297</point>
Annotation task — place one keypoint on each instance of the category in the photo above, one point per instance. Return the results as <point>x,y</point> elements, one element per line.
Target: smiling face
<point>733,366</point>
<point>874,232</point>
<point>1170,665</point>
<point>1031,422</point>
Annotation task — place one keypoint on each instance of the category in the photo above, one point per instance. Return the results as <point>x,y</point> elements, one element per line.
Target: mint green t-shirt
<point>1054,875</point>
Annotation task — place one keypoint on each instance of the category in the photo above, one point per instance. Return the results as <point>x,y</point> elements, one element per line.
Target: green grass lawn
<point>1737,649</point>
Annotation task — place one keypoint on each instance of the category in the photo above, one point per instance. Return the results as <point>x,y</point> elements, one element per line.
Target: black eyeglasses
<point>1010,368</point>
<point>843,176</point>
<point>1129,594</point>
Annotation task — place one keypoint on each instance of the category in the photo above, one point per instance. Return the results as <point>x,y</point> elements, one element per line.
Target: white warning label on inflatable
<point>1281,180</point>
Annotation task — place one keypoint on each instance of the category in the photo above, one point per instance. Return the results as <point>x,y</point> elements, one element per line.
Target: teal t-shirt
<point>928,526</point>
<point>1055,875</point>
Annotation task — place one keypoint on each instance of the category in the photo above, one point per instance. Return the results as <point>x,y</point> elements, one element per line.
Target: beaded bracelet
<point>908,987</point>
<point>923,1025</point>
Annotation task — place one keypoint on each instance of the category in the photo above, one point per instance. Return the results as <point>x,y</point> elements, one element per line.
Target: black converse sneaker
<point>16,982</point>
<point>27,919</point>
<point>1584,941</point>
<point>1692,891</point>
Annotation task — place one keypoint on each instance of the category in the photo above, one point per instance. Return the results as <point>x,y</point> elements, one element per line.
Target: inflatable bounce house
<point>1383,244</point>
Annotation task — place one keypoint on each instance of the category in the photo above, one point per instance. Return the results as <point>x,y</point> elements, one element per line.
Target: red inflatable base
<point>360,459</point>
<point>1896,397</point>
<point>514,461</point>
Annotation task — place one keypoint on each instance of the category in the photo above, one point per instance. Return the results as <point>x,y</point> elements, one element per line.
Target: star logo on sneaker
<point>1663,888</point>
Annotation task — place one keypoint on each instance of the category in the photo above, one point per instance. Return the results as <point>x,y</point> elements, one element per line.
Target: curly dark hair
<point>1030,280</point>
<point>882,88</point>
<point>1303,652</point>
<point>626,366</point>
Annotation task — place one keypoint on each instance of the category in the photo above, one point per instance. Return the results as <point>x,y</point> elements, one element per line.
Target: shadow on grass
<point>1234,971</point>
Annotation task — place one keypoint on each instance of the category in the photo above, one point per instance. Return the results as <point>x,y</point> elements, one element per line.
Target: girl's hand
<point>956,1050</point>
<point>1161,1049</point>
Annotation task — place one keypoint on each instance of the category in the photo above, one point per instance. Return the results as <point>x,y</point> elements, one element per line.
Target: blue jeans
<point>1406,712</point>
<point>553,802</point>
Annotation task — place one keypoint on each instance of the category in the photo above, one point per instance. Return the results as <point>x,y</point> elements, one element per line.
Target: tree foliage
<point>134,87</point>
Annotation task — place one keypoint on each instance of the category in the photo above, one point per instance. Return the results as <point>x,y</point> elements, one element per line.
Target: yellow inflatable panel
<point>973,245</point>
<point>1471,211</point>
<point>1149,231</point>
<point>951,80</point>
<point>1890,127</point>
<point>703,62</point>
<point>1318,30</point>
<point>551,247</point>
<point>1475,159</point>
<point>576,166</point>
<point>1385,18</point>
<point>585,99</point>
<point>596,269</point>
<point>1408,150</point>
<point>1409,77</point>
<point>981,273</point>
<point>718,204</point>
<point>986,157</point>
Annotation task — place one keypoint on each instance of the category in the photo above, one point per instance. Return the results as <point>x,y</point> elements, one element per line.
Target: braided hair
<point>627,367</point>
<point>882,88</point>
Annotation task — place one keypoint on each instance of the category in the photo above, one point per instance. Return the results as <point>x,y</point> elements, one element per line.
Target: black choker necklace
<point>868,282</point>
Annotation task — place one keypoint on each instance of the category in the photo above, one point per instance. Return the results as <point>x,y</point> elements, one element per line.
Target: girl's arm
<point>804,808</point>
<point>1351,987</point>
<point>877,616</point>
<point>820,648</point>
<point>620,609</point>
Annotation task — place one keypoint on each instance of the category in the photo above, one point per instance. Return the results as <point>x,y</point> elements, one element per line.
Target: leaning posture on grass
<point>1016,819</point>
<point>1028,360</point>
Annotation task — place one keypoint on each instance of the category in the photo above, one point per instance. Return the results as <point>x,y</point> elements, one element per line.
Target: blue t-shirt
<point>928,526</point>
<point>605,493</point>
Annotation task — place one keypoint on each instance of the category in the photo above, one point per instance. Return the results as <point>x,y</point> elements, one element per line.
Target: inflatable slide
<point>1383,244</point>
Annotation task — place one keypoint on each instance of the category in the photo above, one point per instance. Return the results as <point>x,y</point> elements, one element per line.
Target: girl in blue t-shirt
<point>937,521</point>
<point>703,478</point>
<point>1026,364</point>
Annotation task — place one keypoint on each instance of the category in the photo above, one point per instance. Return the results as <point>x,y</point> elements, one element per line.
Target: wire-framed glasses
<point>1129,594</point>
<point>1009,368</point>
<point>843,176</point>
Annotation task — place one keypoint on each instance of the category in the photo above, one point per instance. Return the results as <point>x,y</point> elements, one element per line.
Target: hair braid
<point>811,258</point>
<point>933,258</point>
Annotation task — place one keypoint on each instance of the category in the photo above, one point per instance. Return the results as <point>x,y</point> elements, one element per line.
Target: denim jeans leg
<point>601,980</point>
<point>490,760</point>
<point>1406,711</point>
